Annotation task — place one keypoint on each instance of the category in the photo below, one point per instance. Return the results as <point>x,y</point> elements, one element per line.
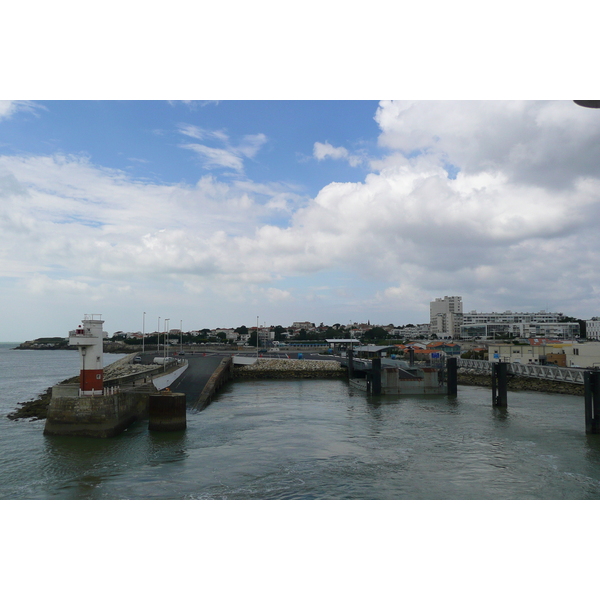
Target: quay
<point>103,404</point>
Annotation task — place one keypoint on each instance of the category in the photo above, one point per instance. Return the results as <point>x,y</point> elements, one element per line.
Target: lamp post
<point>143,332</point>
<point>165,338</point>
<point>158,338</point>
<point>180,336</point>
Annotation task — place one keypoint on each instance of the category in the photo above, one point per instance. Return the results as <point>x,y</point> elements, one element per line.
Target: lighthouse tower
<point>88,339</point>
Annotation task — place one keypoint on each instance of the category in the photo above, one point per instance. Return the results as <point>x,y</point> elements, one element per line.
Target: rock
<point>279,368</point>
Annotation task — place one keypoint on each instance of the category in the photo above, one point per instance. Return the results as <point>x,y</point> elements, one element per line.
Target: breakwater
<point>221,374</point>
<point>281,368</point>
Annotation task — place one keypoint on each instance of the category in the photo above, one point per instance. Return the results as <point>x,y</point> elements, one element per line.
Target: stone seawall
<point>277,368</point>
<point>518,384</point>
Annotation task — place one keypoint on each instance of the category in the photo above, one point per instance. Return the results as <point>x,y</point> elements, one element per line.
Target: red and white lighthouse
<point>88,338</point>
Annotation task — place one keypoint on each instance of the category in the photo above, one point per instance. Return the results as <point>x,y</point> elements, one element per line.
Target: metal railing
<point>551,373</point>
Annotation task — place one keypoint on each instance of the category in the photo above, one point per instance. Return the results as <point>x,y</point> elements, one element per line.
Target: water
<point>312,439</point>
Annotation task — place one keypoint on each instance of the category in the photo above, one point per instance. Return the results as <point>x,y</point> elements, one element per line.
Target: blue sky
<point>147,140</point>
<point>214,213</point>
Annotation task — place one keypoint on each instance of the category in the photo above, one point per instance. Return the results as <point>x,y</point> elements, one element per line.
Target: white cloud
<point>9,107</point>
<point>216,157</point>
<point>322,151</point>
<point>229,157</point>
<point>549,144</point>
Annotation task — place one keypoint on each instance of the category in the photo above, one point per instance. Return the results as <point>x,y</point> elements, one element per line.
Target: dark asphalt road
<point>192,382</point>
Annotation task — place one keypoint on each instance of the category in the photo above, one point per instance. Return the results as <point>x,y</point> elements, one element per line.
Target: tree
<point>376,333</point>
<point>243,330</point>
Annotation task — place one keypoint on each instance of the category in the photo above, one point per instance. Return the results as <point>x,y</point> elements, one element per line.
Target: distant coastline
<point>63,344</point>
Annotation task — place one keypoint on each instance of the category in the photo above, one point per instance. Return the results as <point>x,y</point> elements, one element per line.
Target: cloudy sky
<point>214,213</point>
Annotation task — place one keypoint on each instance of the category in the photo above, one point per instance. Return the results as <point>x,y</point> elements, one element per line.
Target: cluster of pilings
<point>591,393</point>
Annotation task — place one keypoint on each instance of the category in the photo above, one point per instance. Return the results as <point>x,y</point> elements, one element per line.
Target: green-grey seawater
<point>304,439</point>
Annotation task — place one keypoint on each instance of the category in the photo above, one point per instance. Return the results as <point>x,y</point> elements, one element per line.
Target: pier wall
<point>221,374</point>
<point>96,416</point>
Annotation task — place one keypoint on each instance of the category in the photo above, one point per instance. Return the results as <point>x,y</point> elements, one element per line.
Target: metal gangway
<point>550,372</point>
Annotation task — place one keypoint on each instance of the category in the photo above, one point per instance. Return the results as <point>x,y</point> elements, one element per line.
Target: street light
<point>143,332</point>
<point>158,338</point>
<point>165,338</point>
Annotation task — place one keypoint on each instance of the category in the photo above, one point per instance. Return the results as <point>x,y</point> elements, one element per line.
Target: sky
<point>214,213</point>
<point>279,187</point>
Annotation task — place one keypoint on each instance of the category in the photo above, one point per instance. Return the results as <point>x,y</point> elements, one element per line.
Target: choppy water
<point>313,439</point>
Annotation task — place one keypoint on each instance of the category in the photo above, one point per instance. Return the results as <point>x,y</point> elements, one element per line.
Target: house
<point>448,348</point>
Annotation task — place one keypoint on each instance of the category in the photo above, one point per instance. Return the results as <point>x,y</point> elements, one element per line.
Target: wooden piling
<point>499,384</point>
<point>452,376</point>
<point>376,375</point>
<point>350,356</point>
<point>591,382</point>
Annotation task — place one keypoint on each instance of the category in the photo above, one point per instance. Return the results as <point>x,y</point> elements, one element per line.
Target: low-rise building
<point>564,354</point>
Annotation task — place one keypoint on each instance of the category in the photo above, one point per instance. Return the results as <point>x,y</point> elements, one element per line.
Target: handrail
<point>553,373</point>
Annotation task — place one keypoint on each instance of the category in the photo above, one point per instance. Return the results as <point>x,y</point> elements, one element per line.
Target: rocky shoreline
<point>109,347</point>
<point>37,409</point>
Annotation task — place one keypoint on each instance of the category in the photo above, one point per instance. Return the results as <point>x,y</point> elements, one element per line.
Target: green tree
<point>376,333</point>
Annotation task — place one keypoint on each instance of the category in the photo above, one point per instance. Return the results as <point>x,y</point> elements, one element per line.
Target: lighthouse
<point>88,338</point>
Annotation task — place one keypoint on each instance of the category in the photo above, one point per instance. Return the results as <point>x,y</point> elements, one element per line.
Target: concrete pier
<point>96,416</point>
<point>166,412</point>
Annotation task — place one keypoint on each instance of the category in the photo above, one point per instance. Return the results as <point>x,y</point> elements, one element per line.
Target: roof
<point>373,349</point>
<point>343,341</point>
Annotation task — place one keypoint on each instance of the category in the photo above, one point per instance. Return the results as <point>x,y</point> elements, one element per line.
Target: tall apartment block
<point>445,316</point>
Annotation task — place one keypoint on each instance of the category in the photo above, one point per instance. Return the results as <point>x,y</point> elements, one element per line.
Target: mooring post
<point>411,357</point>
<point>499,384</point>
<point>376,377</point>
<point>350,364</point>
<point>591,381</point>
<point>452,376</point>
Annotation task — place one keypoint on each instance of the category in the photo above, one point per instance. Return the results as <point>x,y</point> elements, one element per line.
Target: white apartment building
<point>592,329</point>
<point>411,332</point>
<point>445,316</point>
<point>474,318</point>
<point>306,325</point>
<point>490,330</point>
